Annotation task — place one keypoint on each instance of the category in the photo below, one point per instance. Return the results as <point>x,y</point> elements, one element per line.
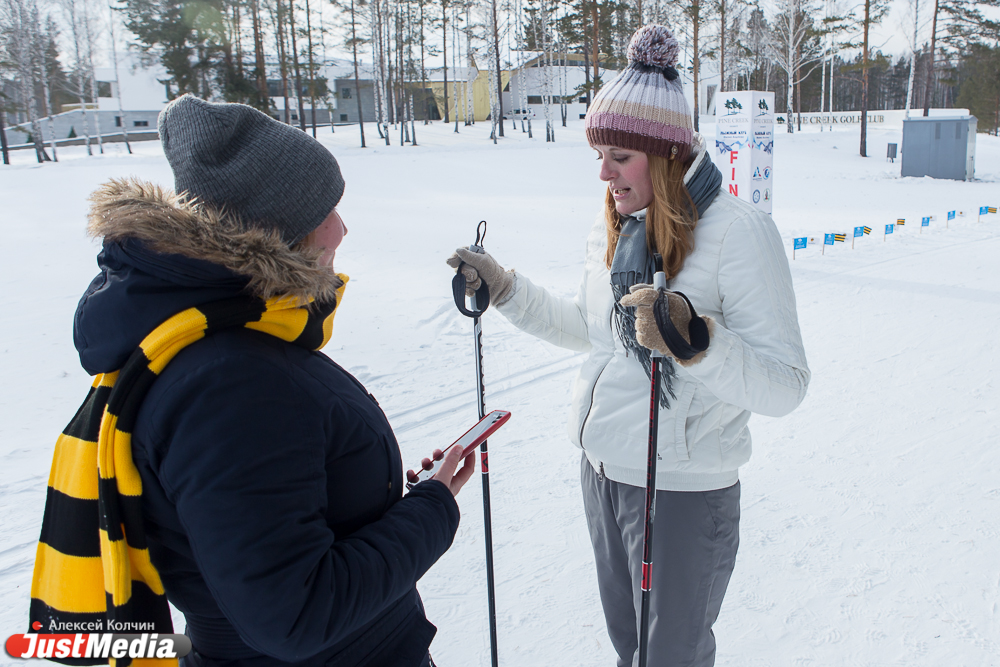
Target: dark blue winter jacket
<point>272,482</point>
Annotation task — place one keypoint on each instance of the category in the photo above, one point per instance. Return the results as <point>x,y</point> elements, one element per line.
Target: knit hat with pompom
<point>643,108</point>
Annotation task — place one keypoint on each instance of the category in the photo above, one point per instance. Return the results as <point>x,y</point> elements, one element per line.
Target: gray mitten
<point>477,266</point>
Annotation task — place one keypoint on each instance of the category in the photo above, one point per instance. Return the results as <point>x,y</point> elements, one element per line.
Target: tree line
<point>815,55</point>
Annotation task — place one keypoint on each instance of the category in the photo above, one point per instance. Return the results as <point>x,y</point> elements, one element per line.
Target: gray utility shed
<point>940,147</point>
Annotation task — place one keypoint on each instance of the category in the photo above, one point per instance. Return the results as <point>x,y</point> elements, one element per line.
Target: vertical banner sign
<point>762,155</point>
<point>744,142</point>
<point>799,244</point>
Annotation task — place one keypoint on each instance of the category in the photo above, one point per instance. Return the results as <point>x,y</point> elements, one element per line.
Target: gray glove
<point>644,298</point>
<point>482,266</point>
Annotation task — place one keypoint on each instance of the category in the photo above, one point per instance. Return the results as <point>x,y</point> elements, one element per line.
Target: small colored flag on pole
<point>901,221</point>
<point>858,231</point>
<point>951,215</point>
<point>888,230</point>
<point>983,210</point>
<point>827,240</point>
<point>924,222</point>
<point>991,209</point>
<point>799,244</point>
<point>840,237</point>
<point>868,230</point>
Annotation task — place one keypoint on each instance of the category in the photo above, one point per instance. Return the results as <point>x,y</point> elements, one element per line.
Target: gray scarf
<point>633,265</point>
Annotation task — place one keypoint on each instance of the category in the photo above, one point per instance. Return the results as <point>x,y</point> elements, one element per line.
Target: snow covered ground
<point>871,515</point>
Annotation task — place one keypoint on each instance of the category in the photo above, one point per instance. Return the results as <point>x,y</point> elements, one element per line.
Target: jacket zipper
<point>590,407</point>
<point>600,471</point>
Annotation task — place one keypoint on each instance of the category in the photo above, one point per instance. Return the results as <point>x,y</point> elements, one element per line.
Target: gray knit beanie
<point>271,175</point>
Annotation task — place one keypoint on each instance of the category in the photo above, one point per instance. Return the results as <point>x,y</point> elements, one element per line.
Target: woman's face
<point>328,236</point>
<point>627,175</point>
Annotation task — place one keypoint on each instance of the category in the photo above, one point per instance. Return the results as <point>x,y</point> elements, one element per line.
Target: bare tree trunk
<point>864,85</point>
<point>295,65</point>
<point>913,59</point>
<point>496,54</point>
<point>118,85</point>
<point>93,80</point>
<point>357,88</point>
<point>722,48</point>
<point>444,46</point>
<point>260,67</point>
<point>929,89</point>
<point>312,71</point>
<point>409,55</point>
<point>423,71</point>
<point>80,91</point>
<point>3,137</point>
<point>280,36</point>
<point>792,22</point>
<point>454,67</point>
<point>597,46</point>
<point>43,71</point>
<point>696,61</point>
<point>238,37</point>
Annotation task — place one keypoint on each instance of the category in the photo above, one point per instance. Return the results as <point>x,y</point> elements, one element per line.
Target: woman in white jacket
<point>734,350</point>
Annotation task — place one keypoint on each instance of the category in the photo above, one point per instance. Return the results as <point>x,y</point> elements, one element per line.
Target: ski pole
<point>660,284</point>
<point>480,301</point>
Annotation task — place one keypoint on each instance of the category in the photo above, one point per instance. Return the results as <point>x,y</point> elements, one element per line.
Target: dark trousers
<point>695,539</point>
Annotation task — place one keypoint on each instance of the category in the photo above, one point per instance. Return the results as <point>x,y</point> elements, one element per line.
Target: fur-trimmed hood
<point>163,254</point>
<point>173,225</point>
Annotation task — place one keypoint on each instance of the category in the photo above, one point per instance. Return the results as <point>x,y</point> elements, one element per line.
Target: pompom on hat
<point>644,108</point>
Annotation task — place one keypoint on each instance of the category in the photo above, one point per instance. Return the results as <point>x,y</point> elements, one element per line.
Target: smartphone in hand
<point>468,442</point>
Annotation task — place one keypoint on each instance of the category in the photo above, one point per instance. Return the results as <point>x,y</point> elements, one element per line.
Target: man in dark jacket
<point>272,483</point>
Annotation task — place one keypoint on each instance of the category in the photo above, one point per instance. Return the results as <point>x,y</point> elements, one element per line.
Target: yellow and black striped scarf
<point>92,567</point>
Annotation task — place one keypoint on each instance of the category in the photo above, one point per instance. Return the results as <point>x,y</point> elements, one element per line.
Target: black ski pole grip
<point>458,284</point>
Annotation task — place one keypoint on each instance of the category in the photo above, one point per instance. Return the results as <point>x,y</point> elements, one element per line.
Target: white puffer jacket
<point>738,275</point>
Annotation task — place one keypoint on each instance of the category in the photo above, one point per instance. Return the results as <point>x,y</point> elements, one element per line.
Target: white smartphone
<point>468,442</point>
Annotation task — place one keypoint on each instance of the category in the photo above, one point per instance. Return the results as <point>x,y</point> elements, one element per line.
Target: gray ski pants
<point>695,539</point>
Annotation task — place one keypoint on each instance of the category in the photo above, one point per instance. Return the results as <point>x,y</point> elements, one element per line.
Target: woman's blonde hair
<point>670,217</point>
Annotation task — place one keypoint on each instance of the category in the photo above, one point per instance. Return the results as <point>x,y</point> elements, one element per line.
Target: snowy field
<point>871,515</point>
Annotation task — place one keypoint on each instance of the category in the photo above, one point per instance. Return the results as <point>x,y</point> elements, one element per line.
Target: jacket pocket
<point>681,411</point>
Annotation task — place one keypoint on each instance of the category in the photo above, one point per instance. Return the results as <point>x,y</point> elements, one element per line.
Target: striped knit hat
<point>643,108</point>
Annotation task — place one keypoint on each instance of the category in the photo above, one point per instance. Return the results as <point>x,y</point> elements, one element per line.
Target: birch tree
<point>20,32</point>
<point>794,47</point>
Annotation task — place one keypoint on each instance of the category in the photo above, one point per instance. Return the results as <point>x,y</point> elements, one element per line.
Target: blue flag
<point>983,210</point>
<point>859,231</point>
<point>889,228</point>
<point>800,243</point>
<point>828,239</point>
<point>951,215</point>
<point>925,222</point>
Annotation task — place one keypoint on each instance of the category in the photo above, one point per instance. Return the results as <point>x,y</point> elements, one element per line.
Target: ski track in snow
<point>870,527</point>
